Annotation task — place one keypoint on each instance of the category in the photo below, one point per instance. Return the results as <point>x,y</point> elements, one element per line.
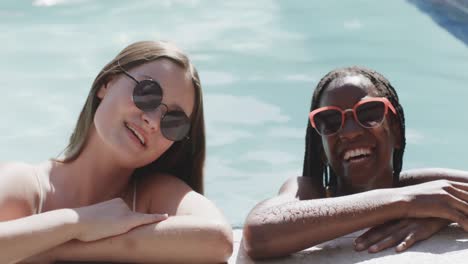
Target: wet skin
<point>371,171</point>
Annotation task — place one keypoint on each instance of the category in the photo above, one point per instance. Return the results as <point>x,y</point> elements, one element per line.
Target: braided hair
<point>314,165</point>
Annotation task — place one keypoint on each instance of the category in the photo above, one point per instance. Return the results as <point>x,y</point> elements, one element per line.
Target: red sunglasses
<point>368,113</point>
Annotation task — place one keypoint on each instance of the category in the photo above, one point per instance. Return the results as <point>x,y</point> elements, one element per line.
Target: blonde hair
<point>184,159</point>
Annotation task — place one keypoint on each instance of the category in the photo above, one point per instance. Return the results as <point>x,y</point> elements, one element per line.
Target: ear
<point>103,90</point>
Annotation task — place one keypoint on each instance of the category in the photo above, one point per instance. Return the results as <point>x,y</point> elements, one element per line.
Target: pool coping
<point>448,246</point>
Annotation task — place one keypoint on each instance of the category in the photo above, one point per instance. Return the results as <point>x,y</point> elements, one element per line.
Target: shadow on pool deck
<point>448,246</point>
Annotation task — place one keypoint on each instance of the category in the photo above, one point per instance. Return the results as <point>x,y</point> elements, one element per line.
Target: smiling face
<point>134,136</point>
<point>362,158</point>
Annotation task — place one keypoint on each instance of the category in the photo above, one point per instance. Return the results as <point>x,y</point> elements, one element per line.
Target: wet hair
<point>314,164</point>
<point>184,159</point>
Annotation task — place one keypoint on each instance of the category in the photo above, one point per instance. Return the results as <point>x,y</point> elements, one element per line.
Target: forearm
<point>28,236</point>
<point>295,225</point>
<point>417,176</point>
<point>181,239</point>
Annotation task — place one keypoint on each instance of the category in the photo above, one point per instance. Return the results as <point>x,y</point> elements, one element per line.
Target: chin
<point>360,182</point>
<point>353,185</point>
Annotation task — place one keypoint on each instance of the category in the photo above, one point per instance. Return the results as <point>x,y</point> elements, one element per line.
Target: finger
<point>151,218</point>
<point>379,230</point>
<point>390,241</point>
<point>159,217</point>
<point>409,241</point>
<point>455,216</point>
<point>460,214</point>
<point>434,225</point>
<point>460,185</point>
<point>462,197</point>
<point>378,233</point>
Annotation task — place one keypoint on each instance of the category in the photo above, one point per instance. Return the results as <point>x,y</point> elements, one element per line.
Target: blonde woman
<point>129,187</point>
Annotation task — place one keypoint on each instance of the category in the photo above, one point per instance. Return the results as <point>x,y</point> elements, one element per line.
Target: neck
<point>96,175</point>
<point>382,179</point>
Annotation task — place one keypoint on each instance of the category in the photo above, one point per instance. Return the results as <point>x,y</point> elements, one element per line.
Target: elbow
<point>220,242</point>
<point>257,240</point>
<point>223,242</point>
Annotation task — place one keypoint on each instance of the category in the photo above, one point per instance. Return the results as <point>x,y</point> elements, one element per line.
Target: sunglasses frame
<point>164,114</point>
<point>385,101</point>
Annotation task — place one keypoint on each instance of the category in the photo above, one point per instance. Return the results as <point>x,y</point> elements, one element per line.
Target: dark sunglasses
<point>368,113</point>
<point>147,96</point>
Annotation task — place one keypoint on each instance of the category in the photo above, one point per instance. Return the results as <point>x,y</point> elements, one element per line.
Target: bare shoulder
<point>302,188</point>
<point>16,175</point>
<point>166,193</point>
<point>162,184</point>
<point>19,191</point>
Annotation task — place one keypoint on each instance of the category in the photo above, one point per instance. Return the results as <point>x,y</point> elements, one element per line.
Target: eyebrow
<point>146,76</point>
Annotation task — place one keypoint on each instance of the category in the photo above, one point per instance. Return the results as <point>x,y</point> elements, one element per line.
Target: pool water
<point>259,62</point>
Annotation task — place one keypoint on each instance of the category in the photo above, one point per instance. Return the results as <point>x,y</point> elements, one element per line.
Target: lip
<point>139,130</point>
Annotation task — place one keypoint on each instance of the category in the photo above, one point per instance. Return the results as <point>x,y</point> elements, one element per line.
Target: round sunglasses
<point>147,96</point>
<point>368,113</point>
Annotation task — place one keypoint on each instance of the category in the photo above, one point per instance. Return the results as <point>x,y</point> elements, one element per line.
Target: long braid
<point>314,165</point>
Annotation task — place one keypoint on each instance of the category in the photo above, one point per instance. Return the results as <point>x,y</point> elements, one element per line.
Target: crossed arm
<point>195,230</point>
<point>417,176</point>
<point>180,239</point>
<point>299,217</point>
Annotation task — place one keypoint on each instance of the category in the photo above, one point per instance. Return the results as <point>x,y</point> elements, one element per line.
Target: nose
<point>351,129</point>
<point>152,119</point>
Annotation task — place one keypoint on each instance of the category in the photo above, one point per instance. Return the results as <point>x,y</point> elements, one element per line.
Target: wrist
<point>71,223</point>
<point>394,201</point>
<point>401,201</point>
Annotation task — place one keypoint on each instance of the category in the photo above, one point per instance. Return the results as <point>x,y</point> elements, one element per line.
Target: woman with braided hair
<point>352,177</point>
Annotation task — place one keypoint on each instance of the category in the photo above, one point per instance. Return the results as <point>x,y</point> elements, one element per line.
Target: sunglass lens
<point>175,125</point>
<point>147,95</point>
<point>328,121</point>
<point>371,114</point>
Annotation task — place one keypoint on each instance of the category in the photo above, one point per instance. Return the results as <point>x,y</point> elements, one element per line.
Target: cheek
<point>389,136</point>
<point>103,116</point>
<point>113,103</point>
<point>161,145</point>
<point>387,143</point>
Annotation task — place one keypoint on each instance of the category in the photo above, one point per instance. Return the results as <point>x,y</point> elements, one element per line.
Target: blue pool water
<point>259,62</point>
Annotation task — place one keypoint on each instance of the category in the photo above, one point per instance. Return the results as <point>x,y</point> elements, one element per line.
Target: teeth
<point>356,152</point>
<point>140,137</point>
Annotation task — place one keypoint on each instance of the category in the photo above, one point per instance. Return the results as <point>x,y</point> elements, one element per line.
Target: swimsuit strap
<point>41,192</point>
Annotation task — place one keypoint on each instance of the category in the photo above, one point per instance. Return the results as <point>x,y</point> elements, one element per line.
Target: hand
<point>439,199</point>
<point>402,233</point>
<point>110,218</point>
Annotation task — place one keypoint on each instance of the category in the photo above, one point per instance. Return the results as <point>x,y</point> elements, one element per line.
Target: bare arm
<point>24,234</point>
<point>195,232</point>
<point>404,233</point>
<point>50,230</point>
<point>289,223</point>
<point>27,236</point>
<point>416,176</point>
<point>181,239</point>
<point>18,199</point>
